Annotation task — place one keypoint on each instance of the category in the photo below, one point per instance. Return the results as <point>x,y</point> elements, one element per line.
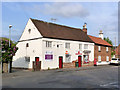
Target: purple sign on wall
<point>48,57</point>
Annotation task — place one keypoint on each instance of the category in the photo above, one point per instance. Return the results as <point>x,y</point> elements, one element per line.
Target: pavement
<point>85,77</point>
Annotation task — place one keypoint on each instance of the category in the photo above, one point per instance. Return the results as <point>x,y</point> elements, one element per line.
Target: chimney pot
<point>85,28</point>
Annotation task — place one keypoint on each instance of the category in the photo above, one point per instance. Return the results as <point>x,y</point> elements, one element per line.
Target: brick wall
<point>119,51</point>
<point>72,65</point>
<point>69,65</point>
<point>118,56</point>
<point>88,64</point>
<point>103,53</point>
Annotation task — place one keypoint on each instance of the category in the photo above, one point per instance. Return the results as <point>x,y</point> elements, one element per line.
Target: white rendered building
<point>48,41</point>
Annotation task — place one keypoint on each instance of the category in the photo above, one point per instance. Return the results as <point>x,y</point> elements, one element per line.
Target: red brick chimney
<point>85,28</point>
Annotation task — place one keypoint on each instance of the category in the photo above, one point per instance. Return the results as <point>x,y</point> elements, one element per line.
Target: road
<point>96,77</point>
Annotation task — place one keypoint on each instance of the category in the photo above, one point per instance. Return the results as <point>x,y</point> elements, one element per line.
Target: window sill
<point>99,61</point>
<point>48,47</point>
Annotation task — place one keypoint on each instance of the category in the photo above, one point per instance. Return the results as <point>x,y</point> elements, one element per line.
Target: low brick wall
<point>88,64</point>
<point>72,65</point>
<point>69,65</point>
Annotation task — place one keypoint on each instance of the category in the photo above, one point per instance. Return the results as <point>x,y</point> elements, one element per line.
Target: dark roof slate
<point>51,30</point>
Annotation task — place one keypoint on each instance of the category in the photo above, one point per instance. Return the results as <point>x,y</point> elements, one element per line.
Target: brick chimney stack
<point>85,28</point>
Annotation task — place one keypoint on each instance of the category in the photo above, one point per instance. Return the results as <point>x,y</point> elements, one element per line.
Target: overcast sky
<point>97,15</point>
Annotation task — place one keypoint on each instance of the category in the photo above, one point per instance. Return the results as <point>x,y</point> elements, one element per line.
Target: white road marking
<point>110,84</point>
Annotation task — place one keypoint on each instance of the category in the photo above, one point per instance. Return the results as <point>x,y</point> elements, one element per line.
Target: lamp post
<point>10,26</point>
<point>9,67</point>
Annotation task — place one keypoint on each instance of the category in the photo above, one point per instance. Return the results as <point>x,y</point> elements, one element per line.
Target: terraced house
<point>55,46</point>
<point>102,49</point>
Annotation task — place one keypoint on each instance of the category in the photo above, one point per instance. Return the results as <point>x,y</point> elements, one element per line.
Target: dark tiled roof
<point>51,30</point>
<point>98,40</point>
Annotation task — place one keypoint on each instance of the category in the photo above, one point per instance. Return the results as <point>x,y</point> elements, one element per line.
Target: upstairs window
<point>107,58</point>
<point>67,45</point>
<point>106,49</point>
<point>57,46</point>
<point>99,58</point>
<point>80,46</point>
<point>29,30</point>
<point>27,44</point>
<point>48,43</point>
<point>86,46</point>
<point>99,48</point>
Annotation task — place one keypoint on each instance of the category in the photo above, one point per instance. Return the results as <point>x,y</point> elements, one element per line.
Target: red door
<point>60,62</point>
<point>37,60</point>
<point>95,62</point>
<point>79,61</point>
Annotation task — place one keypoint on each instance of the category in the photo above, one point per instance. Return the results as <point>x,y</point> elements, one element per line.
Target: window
<point>107,58</point>
<point>67,58</point>
<point>67,45</point>
<point>48,43</point>
<point>99,48</point>
<point>80,46</point>
<point>57,46</point>
<point>99,58</point>
<point>107,49</point>
<point>86,46</point>
<point>27,59</point>
<point>27,45</point>
<point>29,30</point>
<point>86,58</point>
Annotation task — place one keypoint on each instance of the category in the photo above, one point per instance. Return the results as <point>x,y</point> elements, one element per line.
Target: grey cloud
<point>66,10</point>
<point>59,9</point>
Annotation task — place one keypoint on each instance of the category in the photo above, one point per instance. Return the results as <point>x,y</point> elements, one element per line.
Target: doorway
<point>79,61</point>
<point>60,62</point>
<point>36,64</point>
<point>37,60</point>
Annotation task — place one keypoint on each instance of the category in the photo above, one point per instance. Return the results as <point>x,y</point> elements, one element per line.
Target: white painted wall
<point>34,32</point>
<point>37,48</point>
<point>74,48</point>
<point>34,49</point>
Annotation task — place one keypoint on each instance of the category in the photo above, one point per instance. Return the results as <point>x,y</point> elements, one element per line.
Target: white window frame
<point>85,46</point>
<point>48,44</point>
<point>67,45</point>
<point>99,58</point>
<point>80,46</point>
<point>99,48</point>
<point>107,58</point>
<point>107,49</point>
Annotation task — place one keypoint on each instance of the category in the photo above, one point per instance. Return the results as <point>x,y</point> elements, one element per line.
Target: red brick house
<point>117,52</point>
<point>102,49</point>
